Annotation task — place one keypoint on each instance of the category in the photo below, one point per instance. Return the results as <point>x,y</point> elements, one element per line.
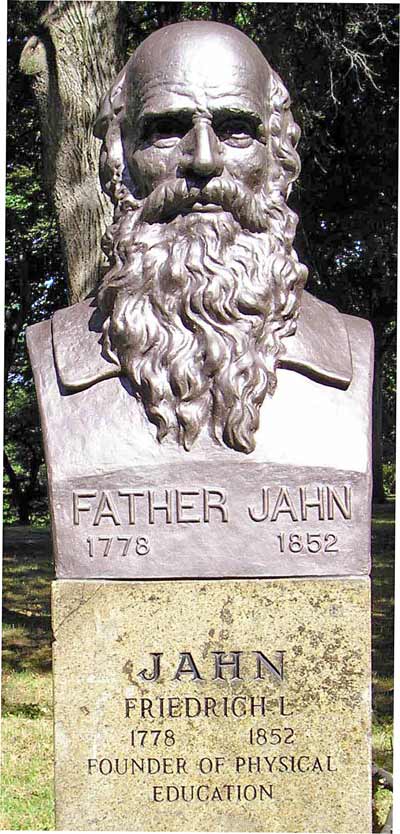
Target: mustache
<point>177,196</point>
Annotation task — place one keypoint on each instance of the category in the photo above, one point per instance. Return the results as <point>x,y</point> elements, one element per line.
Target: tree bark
<point>78,52</point>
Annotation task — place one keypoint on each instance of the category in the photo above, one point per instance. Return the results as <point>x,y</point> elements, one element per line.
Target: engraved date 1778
<point>102,545</point>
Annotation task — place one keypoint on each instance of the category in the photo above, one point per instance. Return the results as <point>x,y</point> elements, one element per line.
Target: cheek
<point>149,167</point>
<point>249,165</point>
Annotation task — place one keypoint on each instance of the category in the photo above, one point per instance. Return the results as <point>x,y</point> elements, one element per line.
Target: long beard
<point>196,312</point>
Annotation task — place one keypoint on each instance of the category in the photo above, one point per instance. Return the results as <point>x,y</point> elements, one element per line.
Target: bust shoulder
<point>321,348</point>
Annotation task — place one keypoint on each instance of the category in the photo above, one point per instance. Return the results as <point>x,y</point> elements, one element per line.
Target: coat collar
<point>319,349</point>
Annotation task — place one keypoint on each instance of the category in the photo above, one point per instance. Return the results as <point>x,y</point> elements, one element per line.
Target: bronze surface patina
<point>201,382</point>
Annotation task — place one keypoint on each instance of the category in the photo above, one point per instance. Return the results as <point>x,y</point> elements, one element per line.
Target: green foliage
<point>389,406</point>
<point>24,451</point>
<point>29,221</point>
<point>389,478</point>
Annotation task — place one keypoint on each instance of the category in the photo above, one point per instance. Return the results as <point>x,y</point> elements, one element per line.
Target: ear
<point>284,136</point>
<point>112,107</point>
<point>114,175</point>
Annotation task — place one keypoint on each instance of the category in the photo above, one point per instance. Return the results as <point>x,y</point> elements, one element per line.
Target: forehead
<point>198,74</point>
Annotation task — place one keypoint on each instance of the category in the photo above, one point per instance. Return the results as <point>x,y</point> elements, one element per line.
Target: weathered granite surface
<point>301,766</point>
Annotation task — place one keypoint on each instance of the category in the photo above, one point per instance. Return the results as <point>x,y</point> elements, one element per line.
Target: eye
<point>236,131</point>
<point>164,132</point>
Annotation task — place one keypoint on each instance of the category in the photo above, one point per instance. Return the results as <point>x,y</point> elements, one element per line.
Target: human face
<point>197,112</point>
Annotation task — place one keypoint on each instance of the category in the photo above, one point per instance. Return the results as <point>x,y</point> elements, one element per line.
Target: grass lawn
<point>27,731</point>
<point>27,788</point>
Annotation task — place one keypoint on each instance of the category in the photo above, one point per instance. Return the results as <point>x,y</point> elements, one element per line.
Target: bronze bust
<point>202,314</point>
<point>207,429</point>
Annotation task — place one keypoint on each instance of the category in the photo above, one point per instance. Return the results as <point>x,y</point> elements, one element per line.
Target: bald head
<point>202,59</point>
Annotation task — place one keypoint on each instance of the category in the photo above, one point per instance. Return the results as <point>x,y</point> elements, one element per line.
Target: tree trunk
<point>22,496</point>
<point>76,56</point>
<point>378,492</point>
<point>24,512</point>
<point>20,500</point>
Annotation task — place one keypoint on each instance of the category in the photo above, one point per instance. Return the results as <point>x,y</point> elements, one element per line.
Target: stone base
<point>155,731</point>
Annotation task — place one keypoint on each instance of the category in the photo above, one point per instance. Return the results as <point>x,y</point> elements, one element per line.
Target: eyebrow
<point>178,112</point>
<point>187,113</point>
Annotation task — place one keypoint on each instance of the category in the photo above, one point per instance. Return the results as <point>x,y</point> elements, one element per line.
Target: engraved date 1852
<point>119,545</point>
<point>309,543</point>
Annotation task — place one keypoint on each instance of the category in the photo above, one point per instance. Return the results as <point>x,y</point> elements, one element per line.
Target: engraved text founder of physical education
<point>203,299</point>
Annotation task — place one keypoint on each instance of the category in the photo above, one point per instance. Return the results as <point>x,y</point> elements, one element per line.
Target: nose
<point>204,157</point>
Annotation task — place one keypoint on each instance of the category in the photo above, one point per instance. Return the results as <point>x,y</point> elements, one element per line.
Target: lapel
<point>319,349</point>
